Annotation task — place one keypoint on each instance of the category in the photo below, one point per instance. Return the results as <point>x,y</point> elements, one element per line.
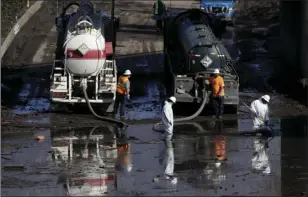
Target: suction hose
<point>198,112</point>
<point>121,124</point>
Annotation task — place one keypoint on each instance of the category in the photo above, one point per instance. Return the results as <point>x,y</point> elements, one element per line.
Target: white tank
<point>85,53</point>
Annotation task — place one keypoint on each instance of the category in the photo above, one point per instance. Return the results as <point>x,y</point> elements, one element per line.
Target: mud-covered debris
<point>5,158</point>
<point>13,167</point>
<point>133,138</point>
<point>39,138</point>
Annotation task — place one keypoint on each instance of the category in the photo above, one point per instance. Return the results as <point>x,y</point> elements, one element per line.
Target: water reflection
<point>90,155</point>
<point>166,159</point>
<point>260,160</point>
<point>224,155</point>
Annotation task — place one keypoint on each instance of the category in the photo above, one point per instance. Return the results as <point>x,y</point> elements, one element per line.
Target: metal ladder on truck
<point>109,75</point>
<point>57,71</point>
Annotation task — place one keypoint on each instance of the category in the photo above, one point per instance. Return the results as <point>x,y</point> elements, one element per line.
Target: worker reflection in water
<point>259,108</point>
<point>122,93</point>
<point>167,119</point>
<point>218,93</point>
<point>124,158</point>
<point>260,160</point>
<point>214,170</point>
<point>167,160</point>
<point>220,145</point>
<point>159,9</point>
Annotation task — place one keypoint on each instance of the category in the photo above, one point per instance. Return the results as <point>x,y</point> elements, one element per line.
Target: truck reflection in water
<point>90,155</point>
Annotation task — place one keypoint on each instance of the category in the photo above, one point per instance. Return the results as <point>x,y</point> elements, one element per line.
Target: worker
<point>167,119</point>
<point>218,93</point>
<point>259,109</point>
<point>159,9</point>
<point>122,93</point>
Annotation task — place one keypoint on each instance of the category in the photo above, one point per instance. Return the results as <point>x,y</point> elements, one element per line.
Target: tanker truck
<point>84,58</point>
<point>191,53</point>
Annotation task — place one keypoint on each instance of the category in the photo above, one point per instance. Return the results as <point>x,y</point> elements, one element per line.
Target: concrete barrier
<point>20,23</point>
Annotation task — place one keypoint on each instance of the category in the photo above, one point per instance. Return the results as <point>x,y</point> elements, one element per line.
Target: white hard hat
<point>216,71</point>
<point>173,99</point>
<point>266,98</point>
<point>127,72</point>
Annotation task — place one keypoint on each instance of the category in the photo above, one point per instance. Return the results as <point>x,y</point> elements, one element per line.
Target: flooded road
<point>80,155</point>
<point>93,161</point>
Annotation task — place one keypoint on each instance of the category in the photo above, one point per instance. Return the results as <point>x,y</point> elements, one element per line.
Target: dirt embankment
<point>30,36</point>
<point>258,12</point>
<point>11,11</point>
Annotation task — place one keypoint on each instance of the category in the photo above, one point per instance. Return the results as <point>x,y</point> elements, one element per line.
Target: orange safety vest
<point>121,89</point>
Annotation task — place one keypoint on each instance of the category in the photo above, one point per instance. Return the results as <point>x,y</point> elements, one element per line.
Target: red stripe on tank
<point>91,54</point>
<point>108,48</point>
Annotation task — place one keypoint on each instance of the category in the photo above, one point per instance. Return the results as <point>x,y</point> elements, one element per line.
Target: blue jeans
<point>121,99</point>
<point>218,104</point>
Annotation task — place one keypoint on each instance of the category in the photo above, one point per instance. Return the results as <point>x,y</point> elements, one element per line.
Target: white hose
<point>117,122</point>
<point>197,113</point>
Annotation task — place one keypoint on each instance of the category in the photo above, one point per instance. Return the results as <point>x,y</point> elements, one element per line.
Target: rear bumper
<point>231,100</point>
<point>77,100</point>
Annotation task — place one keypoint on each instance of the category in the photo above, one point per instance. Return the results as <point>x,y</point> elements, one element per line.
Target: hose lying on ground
<point>121,124</point>
<point>198,112</point>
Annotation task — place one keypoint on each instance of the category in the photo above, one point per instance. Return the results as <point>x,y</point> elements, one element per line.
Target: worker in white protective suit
<point>259,108</point>
<point>260,160</point>
<point>167,119</point>
<point>166,159</point>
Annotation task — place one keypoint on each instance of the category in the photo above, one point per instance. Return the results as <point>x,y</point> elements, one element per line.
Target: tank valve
<point>83,83</point>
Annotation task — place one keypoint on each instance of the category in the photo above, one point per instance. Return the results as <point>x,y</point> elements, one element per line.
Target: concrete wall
<point>294,58</point>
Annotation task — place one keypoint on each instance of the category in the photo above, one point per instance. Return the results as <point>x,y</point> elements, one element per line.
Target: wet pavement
<point>73,162</point>
<point>84,156</point>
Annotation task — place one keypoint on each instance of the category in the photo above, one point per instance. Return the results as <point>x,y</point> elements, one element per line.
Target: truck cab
<point>225,9</point>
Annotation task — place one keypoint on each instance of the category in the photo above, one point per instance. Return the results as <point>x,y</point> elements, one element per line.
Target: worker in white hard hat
<point>259,108</point>
<point>218,93</point>
<point>167,119</point>
<point>122,93</point>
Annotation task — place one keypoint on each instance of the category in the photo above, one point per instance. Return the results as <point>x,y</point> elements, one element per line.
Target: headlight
<point>230,9</point>
<point>202,8</point>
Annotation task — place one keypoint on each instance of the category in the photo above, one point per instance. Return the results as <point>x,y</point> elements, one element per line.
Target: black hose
<point>117,122</point>
<point>197,113</point>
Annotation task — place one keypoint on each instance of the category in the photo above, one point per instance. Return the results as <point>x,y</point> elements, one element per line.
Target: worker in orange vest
<point>218,93</point>
<point>122,93</point>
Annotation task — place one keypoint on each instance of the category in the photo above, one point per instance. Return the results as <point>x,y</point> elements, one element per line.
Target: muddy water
<point>71,162</point>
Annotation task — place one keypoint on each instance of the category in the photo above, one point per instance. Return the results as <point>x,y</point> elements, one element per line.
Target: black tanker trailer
<point>191,53</point>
